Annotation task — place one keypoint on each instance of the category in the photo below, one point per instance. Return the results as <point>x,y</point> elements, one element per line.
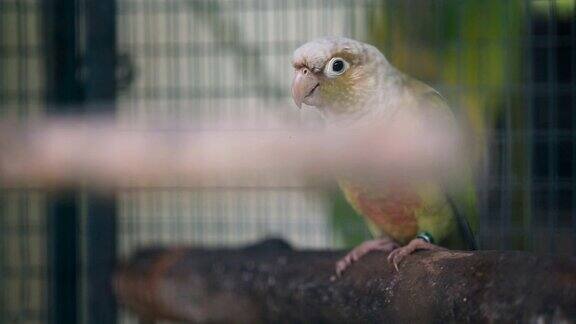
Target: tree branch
<point>270,282</point>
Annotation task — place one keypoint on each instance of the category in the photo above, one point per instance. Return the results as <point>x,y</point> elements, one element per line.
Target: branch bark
<point>270,283</point>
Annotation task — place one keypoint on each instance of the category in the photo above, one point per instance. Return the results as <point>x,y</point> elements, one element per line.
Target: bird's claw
<point>383,244</point>
<point>396,256</point>
<point>343,263</point>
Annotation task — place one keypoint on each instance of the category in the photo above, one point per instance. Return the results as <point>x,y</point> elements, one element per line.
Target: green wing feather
<point>459,190</point>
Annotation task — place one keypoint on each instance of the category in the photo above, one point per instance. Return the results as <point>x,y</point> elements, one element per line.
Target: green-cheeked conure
<point>353,85</point>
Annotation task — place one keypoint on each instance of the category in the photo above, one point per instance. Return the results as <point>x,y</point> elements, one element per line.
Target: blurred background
<point>508,68</point>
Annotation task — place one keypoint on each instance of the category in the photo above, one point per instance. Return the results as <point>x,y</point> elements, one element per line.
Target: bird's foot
<point>382,244</point>
<point>397,255</point>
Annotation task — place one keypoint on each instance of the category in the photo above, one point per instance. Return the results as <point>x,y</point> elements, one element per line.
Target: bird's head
<point>336,73</point>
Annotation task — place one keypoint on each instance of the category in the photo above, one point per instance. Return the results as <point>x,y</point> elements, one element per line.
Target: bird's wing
<point>460,190</point>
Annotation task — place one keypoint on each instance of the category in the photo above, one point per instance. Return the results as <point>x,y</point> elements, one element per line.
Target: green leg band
<point>426,237</point>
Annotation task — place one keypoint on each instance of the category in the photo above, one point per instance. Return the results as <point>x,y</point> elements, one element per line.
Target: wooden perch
<point>271,283</point>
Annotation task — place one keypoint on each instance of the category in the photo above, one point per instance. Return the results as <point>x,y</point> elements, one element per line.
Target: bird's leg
<point>385,244</point>
<point>397,255</point>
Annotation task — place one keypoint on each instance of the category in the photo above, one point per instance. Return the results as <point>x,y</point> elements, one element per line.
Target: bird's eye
<point>335,67</point>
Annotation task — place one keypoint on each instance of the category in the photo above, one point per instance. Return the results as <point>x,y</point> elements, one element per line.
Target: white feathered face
<point>332,71</point>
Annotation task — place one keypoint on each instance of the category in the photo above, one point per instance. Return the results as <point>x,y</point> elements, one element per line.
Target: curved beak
<point>303,85</point>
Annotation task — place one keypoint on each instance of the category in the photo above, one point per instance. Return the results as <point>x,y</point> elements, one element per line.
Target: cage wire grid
<point>23,264</point>
<point>201,61</point>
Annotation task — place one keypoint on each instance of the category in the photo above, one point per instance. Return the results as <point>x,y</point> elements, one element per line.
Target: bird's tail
<point>463,225</point>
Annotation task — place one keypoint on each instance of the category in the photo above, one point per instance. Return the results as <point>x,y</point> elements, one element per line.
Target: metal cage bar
<point>82,54</point>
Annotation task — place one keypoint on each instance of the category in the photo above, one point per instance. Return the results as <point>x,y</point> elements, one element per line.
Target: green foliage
<point>472,47</point>
<point>348,225</point>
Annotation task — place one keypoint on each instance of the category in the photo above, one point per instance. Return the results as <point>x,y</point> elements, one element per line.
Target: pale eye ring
<point>335,67</point>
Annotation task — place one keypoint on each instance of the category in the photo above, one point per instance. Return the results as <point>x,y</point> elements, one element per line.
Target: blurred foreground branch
<point>272,283</point>
<point>69,151</point>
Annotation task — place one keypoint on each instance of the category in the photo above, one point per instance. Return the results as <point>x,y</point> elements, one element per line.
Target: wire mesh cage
<point>508,68</point>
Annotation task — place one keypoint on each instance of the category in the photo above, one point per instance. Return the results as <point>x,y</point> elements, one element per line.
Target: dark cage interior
<point>508,68</point>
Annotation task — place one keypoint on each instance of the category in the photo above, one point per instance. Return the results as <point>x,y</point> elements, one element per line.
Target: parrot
<point>352,84</point>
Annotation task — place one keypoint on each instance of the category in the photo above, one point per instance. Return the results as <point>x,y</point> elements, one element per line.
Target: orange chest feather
<point>393,210</point>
